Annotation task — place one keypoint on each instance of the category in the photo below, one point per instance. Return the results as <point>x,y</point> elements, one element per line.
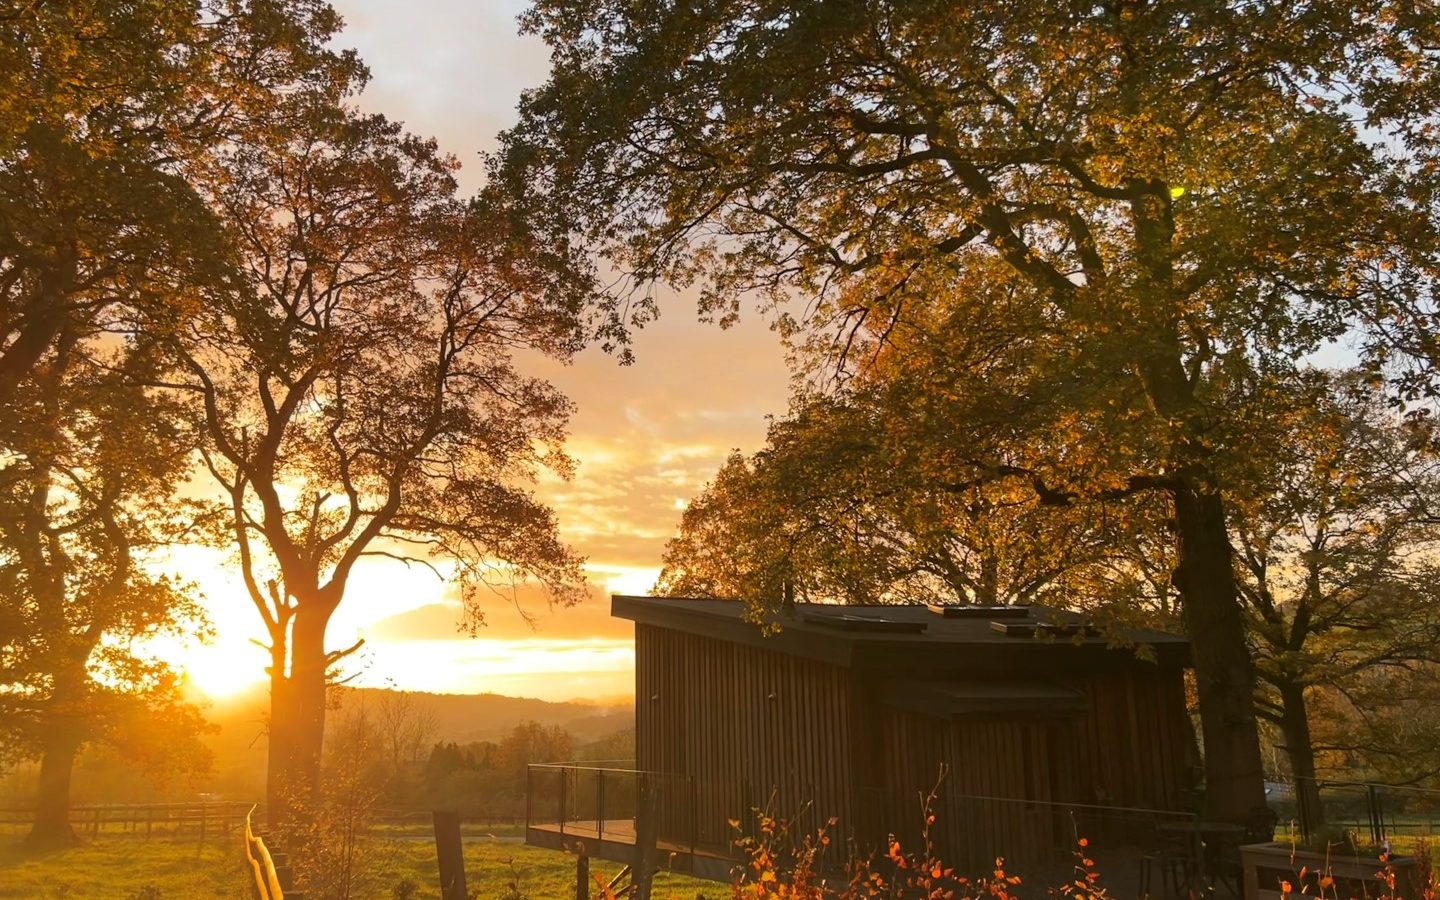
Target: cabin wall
<point>1134,745</point>
<point>739,727</point>
<point>1009,783</point>
<point>736,727</point>
<point>991,768</point>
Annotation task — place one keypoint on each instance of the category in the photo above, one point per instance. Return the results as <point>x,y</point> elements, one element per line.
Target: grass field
<point>122,867</point>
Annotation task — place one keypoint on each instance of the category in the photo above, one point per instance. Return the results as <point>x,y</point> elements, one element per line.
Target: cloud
<point>653,433</point>
<point>451,69</point>
<point>503,619</point>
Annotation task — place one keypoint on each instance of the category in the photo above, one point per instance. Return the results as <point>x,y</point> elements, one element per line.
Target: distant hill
<point>463,718</point>
<point>239,743</point>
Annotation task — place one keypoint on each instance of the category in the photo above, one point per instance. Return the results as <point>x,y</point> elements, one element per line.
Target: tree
<point>834,510</point>
<point>528,743</point>
<point>405,726</point>
<point>1129,204</point>
<point>109,113</point>
<point>105,109</point>
<point>88,495</point>
<point>356,396</point>
<point>1337,567</point>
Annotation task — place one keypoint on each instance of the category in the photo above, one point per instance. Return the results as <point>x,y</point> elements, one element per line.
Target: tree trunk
<point>1205,577</point>
<point>280,749</point>
<point>51,828</point>
<point>297,724</point>
<point>307,684</point>
<point>1224,674</point>
<point>1295,726</point>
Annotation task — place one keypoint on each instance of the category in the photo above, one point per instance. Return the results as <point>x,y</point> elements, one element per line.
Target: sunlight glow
<point>223,670</point>
<point>634,580</point>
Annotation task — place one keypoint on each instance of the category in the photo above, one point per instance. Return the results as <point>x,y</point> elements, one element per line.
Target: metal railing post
<point>561,771</point>
<point>1302,805</point>
<point>599,804</point>
<point>748,820</point>
<point>529,794</point>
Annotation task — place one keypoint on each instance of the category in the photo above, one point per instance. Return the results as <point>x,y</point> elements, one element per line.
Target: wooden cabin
<point>1041,726</point>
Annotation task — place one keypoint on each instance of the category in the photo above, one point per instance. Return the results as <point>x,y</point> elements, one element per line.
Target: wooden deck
<point>614,840</point>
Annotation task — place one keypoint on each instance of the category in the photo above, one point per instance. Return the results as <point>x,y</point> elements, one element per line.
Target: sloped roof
<point>916,638</point>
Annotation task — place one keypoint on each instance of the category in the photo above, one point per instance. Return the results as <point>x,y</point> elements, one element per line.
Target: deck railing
<point>1375,811</point>
<point>588,805</point>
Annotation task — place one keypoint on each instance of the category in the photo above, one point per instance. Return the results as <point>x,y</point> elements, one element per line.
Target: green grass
<point>467,830</point>
<point>117,867</point>
<point>539,874</point>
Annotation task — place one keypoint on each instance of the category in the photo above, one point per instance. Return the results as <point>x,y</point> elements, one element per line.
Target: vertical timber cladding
<point>738,729</point>
<point>743,726</point>
<point>1130,746</point>
<point>993,798</point>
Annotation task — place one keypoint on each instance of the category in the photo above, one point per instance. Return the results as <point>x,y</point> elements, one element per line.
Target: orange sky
<point>646,437</point>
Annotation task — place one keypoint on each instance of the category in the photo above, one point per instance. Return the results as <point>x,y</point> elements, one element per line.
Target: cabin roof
<point>915,638</point>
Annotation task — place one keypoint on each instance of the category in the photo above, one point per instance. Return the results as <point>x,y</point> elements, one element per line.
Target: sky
<point>646,437</point>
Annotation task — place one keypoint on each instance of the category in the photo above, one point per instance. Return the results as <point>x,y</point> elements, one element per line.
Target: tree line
<point>1054,279</point>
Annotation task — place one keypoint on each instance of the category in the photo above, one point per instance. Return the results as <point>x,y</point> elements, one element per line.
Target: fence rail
<point>200,818</point>
<point>422,818</point>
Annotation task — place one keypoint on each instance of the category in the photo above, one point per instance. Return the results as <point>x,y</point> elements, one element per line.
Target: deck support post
<point>646,836</point>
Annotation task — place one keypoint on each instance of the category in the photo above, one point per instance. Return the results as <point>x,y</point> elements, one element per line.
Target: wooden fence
<point>205,818</point>
<point>196,819</point>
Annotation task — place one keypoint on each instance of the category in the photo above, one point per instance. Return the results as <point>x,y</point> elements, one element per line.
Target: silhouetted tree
<point>356,394</point>
<point>86,499</point>
<point>1337,560</point>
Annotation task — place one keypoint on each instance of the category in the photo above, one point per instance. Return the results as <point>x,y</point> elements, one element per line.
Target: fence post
<point>529,793</point>
<point>451,855</point>
<point>1302,805</point>
<point>284,872</point>
<point>646,835</point>
<point>582,875</point>
<point>1377,814</point>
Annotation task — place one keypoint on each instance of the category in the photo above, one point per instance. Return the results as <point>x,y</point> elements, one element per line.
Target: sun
<point>222,671</point>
